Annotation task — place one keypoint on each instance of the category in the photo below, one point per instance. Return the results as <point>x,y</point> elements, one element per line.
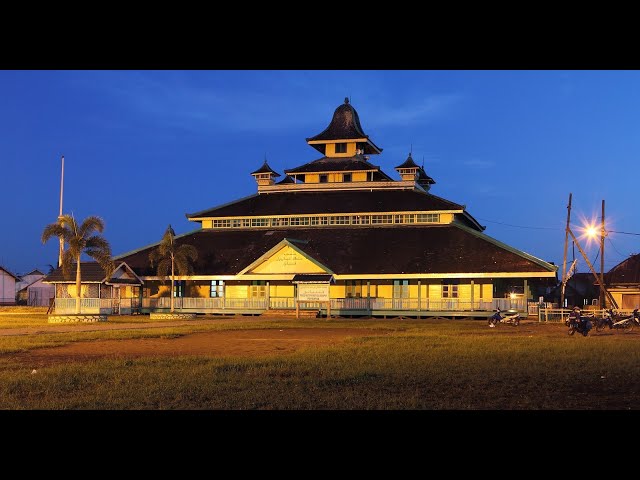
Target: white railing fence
<point>202,304</point>
<point>560,315</point>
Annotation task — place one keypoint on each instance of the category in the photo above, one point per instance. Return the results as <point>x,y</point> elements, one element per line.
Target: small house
<point>7,287</point>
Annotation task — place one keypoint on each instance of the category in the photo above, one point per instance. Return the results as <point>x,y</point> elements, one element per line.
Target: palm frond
<point>167,249</point>
<point>68,259</point>
<point>76,245</point>
<point>107,265</point>
<point>163,269</point>
<point>99,255</point>
<point>98,242</point>
<point>68,222</point>
<point>183,267</point>
<point>187,251</point>
<point>155,255</point>
<point>54,230</point>
<point>89,225</point>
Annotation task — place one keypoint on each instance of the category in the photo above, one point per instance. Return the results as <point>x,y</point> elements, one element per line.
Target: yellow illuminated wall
<point>287,260</point>
<point>335,177</point>
<point>236,291</point>
<point>337,291</point>
<point>84,289</point>
<point>281,290</point>
<point>330,150</point>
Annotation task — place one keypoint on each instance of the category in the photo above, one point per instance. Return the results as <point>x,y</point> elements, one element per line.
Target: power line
<point>624,233</point>
<point>547,228</point>
<point>519,226</point>
<point>614,247</point>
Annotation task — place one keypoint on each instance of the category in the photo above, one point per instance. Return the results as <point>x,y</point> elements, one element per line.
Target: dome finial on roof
<point>346,100</point>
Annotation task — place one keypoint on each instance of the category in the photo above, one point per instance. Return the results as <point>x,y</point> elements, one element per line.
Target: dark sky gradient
<point>142,148</point>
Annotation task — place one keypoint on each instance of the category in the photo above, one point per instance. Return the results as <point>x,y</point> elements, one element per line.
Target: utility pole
<point>60,214</point>
<point>564,262</point>
<point>602,235</point>
<point>612,300</point>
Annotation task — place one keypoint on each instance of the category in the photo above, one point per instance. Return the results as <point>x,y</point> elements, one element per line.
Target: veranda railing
<point>203,304</point>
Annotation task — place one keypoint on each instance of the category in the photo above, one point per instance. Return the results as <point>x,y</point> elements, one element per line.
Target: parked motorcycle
<point>614,321</point>
<point>508,319</point>
<point>581,324</point>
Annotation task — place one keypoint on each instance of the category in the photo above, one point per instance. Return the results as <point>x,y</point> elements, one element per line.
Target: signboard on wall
<point>313,292</point>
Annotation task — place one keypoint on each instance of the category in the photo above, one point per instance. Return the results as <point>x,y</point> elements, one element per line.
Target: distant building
<point>581,290</point>
<point>7,287</point>
<point>28,279</point>
<point>623,282</point>
<point>31,290</point>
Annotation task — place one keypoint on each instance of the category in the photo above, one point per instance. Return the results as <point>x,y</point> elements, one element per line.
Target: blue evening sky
<point>142,148</point>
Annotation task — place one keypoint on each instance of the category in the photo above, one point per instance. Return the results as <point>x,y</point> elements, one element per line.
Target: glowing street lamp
<point>591,232</point>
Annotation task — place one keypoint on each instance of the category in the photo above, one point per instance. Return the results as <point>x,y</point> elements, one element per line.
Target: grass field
<point>425,364</point>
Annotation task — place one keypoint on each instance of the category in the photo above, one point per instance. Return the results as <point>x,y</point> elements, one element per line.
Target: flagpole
<point>60,215</point>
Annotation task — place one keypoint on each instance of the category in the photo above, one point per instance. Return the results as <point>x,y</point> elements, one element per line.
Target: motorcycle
<point>613,320</point>
<point>581,324</point>
<point>508,319</point>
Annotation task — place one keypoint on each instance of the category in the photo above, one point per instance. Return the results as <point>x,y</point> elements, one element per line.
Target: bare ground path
<point>249,342</point>
<point>101,326</point>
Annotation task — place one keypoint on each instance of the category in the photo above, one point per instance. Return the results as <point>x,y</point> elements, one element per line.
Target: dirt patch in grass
<point>246,343</point>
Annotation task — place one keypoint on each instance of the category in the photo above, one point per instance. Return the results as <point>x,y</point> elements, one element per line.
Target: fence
<point>560,315</point>
<point>354,304</point>
<point>202,303</point>
<point>87,305</point>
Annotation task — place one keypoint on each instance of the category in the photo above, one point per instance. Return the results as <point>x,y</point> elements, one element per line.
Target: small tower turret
<point>409,171</point>
<point>265,175</point>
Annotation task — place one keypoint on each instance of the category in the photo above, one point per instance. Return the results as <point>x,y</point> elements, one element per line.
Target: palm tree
<point>172,257</point>
<point>80,239</point>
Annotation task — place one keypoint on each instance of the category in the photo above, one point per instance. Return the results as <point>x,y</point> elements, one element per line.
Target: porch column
<point>419,288</point>
<point>524,296</point>
<point>472,294</point>
<point>268,294</point>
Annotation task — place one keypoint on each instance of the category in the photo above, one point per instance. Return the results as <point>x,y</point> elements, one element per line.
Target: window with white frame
<point>450,290</point>
<point>258,289</point>
<point>353,288</point>
<point>179,288</point>
<point>217,288</point>
<point>401,289</point>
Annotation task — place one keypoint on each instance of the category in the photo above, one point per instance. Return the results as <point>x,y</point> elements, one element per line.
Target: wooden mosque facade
<point>339,235</point>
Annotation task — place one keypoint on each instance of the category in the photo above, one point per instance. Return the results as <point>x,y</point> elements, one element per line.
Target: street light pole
<point>564,261</point>
<point>61,250</point>
<point>602,235</point>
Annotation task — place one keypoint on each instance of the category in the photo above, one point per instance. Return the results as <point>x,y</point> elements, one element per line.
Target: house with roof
<point>623,282</point>
<point>32,291</point>
<point>7,287</point>
<point>118,293</point>
<point>388,247</point>
<point>581,290</point>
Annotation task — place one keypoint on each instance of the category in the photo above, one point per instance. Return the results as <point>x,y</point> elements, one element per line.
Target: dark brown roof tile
<point>353,250</point>
<point>329,202</point>
<point>626,272</point>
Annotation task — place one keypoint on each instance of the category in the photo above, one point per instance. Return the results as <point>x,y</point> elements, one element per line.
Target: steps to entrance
<point>282,313</point>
